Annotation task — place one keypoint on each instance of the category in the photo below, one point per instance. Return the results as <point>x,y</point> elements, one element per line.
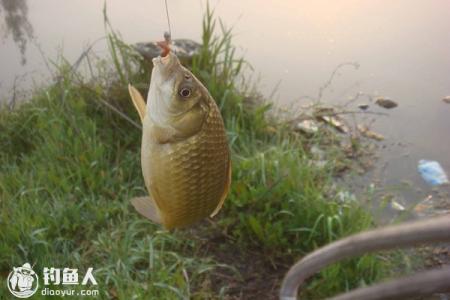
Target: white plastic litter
<point>432,172</point>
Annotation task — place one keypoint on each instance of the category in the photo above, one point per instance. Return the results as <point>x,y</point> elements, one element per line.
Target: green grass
<point>69,165</point>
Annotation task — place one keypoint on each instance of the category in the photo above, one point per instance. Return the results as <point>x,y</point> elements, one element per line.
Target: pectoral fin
<point>138,101</point>
<point>147,208</point>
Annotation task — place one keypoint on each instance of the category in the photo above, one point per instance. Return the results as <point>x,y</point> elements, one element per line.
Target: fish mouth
<point>166,65</point>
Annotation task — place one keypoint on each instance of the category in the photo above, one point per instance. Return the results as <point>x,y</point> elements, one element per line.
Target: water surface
<point>402,47</point>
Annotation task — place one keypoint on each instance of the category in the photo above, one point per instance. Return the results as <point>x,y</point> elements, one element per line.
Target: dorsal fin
<point>138,101</point>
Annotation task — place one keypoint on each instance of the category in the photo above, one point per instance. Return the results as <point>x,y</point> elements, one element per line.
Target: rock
<point>396,206</point>
<point>185,49</point>
<point>328,115</point>
<point>346,197</point>
<point>307,126</point>
<point>363,106</point>
<point>369,134</point>
<point>428,207</point>
<point>446,99</point>
<point>386,103</point>
<point>373,135</point>
<point>336,123</point>
<point>323,110</point>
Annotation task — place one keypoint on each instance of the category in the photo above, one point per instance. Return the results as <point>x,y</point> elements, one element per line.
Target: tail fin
<point>147,208</point>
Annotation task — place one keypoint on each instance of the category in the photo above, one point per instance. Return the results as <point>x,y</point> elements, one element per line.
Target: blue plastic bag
<point>432,172</point>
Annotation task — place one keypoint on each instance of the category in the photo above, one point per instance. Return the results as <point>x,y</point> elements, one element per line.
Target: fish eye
<point>185,92</point>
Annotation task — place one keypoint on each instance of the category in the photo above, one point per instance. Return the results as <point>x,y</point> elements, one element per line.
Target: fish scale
<point>197,171</point>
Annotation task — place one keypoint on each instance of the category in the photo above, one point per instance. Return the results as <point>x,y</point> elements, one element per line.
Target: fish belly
<point>187,179</point>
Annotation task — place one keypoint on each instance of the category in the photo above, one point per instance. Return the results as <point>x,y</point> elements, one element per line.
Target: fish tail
<point>147,208</point>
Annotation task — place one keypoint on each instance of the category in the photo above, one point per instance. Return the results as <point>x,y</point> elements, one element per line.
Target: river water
<point>402,46</point>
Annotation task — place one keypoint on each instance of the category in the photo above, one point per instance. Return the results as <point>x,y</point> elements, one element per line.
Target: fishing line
<point>168,22</point>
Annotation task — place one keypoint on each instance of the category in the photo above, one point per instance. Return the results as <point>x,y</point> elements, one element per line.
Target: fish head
<point>177,99</point>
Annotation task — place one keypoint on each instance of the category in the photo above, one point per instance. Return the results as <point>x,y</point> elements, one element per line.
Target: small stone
<point>336,123</point>
<point>363,106</point>
<point>446,99</point>
<point>323,110</point>
<point>307,126</point>
<point>397,206</point>
<point>369,134</point>
<point>386,103</point>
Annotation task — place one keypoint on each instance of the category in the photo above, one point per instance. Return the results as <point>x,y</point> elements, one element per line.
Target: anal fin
<point>147,208</point>
<point>225,192</point>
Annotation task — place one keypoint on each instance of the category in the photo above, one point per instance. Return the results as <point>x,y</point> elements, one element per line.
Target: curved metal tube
<point>421,284</point>
<point>397,236</point>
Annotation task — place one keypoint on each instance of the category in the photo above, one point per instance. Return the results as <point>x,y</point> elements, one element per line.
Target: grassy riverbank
<point>69,164</point>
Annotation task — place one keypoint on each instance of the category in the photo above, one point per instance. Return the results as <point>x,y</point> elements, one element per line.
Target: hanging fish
<point>185,156</point>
